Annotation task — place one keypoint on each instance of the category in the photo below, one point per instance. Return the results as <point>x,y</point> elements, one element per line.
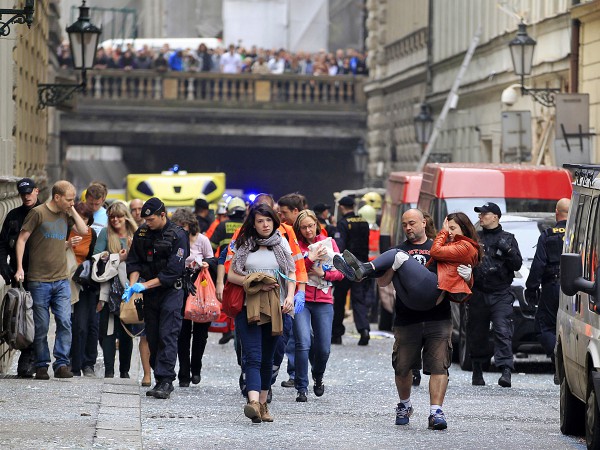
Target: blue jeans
<point>258,348</point>
<point>55,296</point>
<point>320,316</point>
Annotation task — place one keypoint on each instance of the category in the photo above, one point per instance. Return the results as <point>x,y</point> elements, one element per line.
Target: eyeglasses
<point>308,227</point>
<point>115,217</point>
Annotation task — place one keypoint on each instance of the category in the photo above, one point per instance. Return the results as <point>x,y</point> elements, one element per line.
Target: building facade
<point>416,50</point>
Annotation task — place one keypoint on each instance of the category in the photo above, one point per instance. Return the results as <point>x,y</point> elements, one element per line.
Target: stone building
<point>417,48</point>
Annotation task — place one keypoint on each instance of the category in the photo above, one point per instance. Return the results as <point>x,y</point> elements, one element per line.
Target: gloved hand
<point>399,259</point>
<point>7,273</point>
<point>532,296</point>
<point>465,272</point>
<point>299,300</point>
<point>503,245</point>
<point>188,285</point>
<point>130,290</point>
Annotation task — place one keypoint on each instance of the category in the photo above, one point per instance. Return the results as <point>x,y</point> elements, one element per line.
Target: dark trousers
<point>281,346</point>
<point>162,315</point>
<point>109,344</point>
<point>497,307</point>
<point>85,328</point>
<point>198,333</point>
<point>360,305</point>
<point>545,316</point>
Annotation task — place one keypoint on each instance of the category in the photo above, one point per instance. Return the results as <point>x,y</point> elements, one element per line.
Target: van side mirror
<point>571,279</point>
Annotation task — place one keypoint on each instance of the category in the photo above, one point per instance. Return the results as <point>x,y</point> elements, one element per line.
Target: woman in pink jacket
<point>318,309</point>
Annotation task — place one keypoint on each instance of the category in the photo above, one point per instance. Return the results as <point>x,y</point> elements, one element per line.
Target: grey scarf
<point>284,259</point>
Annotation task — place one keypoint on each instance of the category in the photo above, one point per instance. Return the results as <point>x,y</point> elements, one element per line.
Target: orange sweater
<point>450,255</point>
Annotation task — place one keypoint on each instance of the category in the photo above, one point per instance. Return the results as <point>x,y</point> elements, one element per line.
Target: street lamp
<point>423,125</point>
<point>521,51</point>
<point>24,15</point>
<point>83,40</point>
<point>361,158</point>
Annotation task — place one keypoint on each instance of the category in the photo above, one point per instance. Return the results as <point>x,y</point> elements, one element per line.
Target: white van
<point>578,319</point>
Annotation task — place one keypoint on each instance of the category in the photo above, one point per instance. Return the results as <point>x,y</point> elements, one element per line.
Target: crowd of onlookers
<point>232,60</point>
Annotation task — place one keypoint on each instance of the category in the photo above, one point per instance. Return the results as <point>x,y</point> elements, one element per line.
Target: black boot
<point>477,379</point>
<point>361,270</point>
<point>504,379</point>
<point>364,337</point>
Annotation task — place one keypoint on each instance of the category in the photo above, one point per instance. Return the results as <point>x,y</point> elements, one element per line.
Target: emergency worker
<point>353,235</point>
<point>492,298</point>
<point>220,216</point>
<point>220,239</point>
<point>8,239</point>
<point>155,266</point>
<point>545,271</point>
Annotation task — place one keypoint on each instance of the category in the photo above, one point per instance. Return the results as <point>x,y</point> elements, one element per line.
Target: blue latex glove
<point>130,290</point>
<point>299,300</point>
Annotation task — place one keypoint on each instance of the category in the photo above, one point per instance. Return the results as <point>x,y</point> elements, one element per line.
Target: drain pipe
<point>574,58</point>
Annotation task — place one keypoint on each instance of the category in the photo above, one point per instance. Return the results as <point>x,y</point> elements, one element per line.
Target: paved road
<point>356,412</point>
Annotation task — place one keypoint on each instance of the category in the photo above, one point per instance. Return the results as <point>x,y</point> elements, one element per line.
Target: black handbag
<point>115,295</point>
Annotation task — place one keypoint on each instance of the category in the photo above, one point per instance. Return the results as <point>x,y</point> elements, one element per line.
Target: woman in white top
<point>200,249</point>
<point>260,248</point>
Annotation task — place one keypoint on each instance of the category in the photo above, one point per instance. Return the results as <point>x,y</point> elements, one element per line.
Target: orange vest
<point>212,228</point>
<point>373,244</point>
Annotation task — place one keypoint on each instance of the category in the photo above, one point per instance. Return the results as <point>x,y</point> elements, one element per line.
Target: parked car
<point>527,228</point>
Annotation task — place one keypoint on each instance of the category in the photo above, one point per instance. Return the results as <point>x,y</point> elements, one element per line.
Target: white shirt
<point>231,63</point>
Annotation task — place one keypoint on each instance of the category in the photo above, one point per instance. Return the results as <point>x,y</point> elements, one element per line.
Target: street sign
<point>516,136</point>
<point>572,143</point>
<point>574,153</point>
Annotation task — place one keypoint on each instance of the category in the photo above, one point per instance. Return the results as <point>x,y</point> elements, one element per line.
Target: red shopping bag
<point>204,306</point>
<point>233,299</point>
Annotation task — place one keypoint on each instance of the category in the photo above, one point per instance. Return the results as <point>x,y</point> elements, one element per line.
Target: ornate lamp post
<point>521,51</point>
<point>24,15</point>
<point>83,40</point>
<point>423,125</point>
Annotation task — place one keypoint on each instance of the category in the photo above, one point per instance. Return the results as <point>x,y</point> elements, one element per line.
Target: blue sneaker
<point>437,421</point>
<point>403,414</point>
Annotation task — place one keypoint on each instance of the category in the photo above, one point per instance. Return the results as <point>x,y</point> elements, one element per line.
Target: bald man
<point>545,271</point>
<point>135,207</point>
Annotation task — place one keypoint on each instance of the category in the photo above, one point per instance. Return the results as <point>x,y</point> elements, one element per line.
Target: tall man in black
<point>492,298</point>
<point>353,235</point>
<point>545,271</point>
<point>8,239</point>
<point>155,265</point>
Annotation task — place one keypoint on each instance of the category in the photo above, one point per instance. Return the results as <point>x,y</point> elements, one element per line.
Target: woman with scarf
<point>263,264</point>
<point>317,314</point>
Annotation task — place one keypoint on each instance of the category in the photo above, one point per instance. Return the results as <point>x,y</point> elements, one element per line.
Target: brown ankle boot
<point>264,413</point>
<point>252,411</point>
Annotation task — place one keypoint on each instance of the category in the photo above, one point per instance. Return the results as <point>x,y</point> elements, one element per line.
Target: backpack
<point>16,314</point>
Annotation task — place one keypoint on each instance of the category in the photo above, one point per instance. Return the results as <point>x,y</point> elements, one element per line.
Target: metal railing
<point>335,92</point>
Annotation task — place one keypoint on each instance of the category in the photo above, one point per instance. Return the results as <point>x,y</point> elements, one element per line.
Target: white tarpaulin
<point>290,24</point>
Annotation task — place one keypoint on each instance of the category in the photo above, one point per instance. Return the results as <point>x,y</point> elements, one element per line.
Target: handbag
<point>115,295</point>
<point>132,312</point>
<point>233,299</point>
<point>203,306</point>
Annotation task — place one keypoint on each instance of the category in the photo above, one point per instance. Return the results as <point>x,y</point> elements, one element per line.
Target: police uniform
<point>8,239</point>
<point>161,254</point>
<point>492,298</point>
<point>545,271</point>
<point>353,235</point>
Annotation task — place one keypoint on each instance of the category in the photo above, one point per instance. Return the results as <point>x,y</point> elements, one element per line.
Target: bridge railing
<point>228,89</point>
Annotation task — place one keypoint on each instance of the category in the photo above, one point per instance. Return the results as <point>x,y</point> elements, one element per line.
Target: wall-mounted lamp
<point>521,51</point>
<point>83,40</point>
<point>423,125</point>
<point>24,15</point>
<point>361,158</point>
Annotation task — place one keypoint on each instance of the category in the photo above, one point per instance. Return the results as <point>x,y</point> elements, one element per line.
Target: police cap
<point>347,201</point>
<point>320,207</point>
<point>489,207</point>
<point>152,206</point>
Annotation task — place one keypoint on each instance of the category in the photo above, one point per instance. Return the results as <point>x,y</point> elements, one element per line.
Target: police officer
<point>545,270</point>
<point>8,239</point>
<point>155,266</point>
<point>353,235</point>
<point>492,298</point>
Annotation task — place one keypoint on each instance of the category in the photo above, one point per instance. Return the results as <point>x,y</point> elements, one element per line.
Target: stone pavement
<point>356,412</point>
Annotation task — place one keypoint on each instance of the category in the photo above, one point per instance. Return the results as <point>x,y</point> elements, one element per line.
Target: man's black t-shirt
<point>407,316</point>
